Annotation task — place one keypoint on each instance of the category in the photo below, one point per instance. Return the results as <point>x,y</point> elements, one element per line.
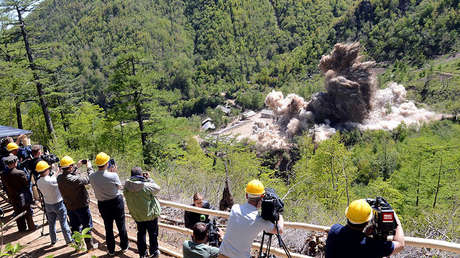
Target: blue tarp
<point>11,131</point>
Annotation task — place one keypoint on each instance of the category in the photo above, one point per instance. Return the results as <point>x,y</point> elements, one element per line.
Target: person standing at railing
<point>54,206</point>
<point>191,218</point>
<point>18,191</point>
<point>140,193</point>
<point>107,186</point>
<point>351,240</point>
<point>244,224</point>
<point>72,187</point>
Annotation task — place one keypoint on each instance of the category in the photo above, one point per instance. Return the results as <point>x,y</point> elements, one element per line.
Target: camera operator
<point>72,184</point>
<point>197,248</point>
<point>244,223</point>
<point>191,218</point>
<point>140,193</point>
<point>352,241</point>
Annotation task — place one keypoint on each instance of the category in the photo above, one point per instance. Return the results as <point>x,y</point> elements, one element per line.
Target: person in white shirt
<point>244,224</point>
<point>54,205</point>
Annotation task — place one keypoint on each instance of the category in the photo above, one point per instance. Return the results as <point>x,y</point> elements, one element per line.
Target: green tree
<point>21,7</point>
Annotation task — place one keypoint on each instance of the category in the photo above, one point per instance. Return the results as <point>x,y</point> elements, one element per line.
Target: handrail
<point>277,251</point>
<point>409,241</point>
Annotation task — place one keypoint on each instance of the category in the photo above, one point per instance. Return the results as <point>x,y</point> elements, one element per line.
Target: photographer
<point>352,241</point>
<point>197,248</point>
<point>107,186</point>
<point>54,205</point>
<point>72,187</point>
<point>140,194</point>
<point>191,218</point>
<point>18,192</point>
<point>244,223</point>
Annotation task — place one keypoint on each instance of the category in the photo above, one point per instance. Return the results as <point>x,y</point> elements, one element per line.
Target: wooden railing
<point>410,241</point>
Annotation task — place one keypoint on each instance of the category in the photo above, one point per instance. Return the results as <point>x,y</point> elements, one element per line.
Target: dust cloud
<point>351,100</point>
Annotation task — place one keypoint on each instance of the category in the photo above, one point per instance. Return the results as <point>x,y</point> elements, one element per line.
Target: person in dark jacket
<point>76,199</point>
<point>140,193</point>
<point>197,247</point>
<point>191,218</point>
<point>351,240</point>
<point>19,193</point>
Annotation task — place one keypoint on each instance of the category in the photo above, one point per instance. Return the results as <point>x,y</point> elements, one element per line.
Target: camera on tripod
<point>213,234</point>
<point>272,206</point>
<point>383,220</point>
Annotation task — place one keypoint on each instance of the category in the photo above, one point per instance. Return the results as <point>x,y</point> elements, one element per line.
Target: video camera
<point>272,205</point>
<point>50,158</point>
<point>383,220</point>
<point>213,234</point>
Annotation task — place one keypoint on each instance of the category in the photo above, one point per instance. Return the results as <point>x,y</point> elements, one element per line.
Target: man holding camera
<point>54,206</point>
<point>140,192</point>
<point>244,224</point>
<point>191,218</point>
<point>107,186</point>
<point>197,248</point>
<point>76,199</point>
<point>352,240</point>
<point>18,192</point>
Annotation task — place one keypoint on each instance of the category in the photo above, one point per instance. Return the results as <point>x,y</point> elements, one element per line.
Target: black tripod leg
<point>281,242</point>
<point>42,201</point>
<point>261,245</point>
<point>269,245</point>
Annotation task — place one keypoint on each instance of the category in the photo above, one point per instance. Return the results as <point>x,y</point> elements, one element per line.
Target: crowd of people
<point>28,176</point>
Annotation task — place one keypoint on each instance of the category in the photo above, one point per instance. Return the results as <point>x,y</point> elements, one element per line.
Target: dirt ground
<point>37,244</point>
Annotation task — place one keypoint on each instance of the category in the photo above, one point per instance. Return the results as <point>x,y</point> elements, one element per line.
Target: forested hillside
<point>135,78</point>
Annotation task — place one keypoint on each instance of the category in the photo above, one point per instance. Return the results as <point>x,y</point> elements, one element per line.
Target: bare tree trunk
<point>332,173</point>
<point>137,101</point>
<point>122,136</point>
<point>438,185</point>
<point>418,183</point>
<point>43,104</point>
<point>346,182</point>
<point>18,113</point>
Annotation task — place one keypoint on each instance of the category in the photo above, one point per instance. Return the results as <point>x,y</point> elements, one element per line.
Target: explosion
<point>350,101</point>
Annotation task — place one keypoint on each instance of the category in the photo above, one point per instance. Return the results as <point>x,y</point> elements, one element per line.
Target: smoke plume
<point>349,85</point>
<point>350,101</point>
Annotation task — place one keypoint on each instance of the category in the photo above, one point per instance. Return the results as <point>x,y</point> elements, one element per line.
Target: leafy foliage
<point>79,239</point>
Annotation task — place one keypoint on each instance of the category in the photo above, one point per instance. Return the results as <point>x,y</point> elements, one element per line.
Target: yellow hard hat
<point>358,212</point>
<point>101,159</point>
<point>255,187</point>
<point>66,161</point>
<point>12,146</point>
<point>42,166</point>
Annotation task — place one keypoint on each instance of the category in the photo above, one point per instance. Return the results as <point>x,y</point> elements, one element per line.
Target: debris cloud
<point>351,100</point>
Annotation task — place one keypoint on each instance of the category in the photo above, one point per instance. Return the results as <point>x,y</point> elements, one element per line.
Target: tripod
<point>281,243</point>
